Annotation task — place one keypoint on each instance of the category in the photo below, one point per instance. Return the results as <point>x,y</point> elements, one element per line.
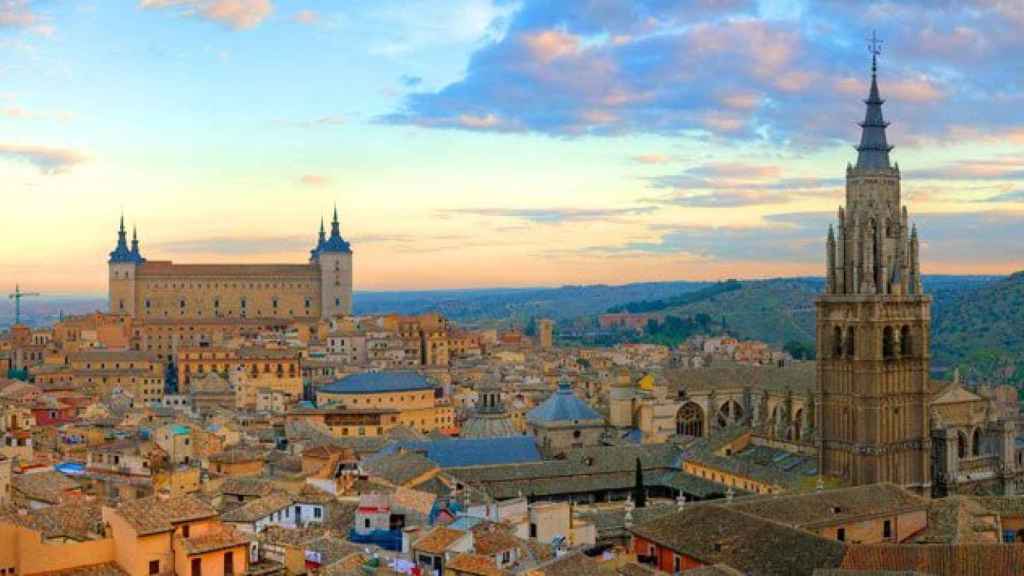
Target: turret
<point>334,257</point>
<point>122,267</point>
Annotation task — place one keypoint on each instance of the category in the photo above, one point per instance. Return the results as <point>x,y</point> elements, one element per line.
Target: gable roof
<point>154,514</point>
<point>955,393</point>
<point>720,535</point>
<point>938,558</point>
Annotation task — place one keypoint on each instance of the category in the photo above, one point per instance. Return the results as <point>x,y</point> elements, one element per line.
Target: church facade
<point>163,290</point>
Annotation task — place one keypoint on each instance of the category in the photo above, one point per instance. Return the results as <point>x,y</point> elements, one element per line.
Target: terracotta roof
<point>828,507</point>
<point>154,514</point>
<point>246,486</point>
<point>938,559</point>
<point>399,468</point>
<point>104,569</point>
<point>237,455</point>
<point>719,534</point>
<point>569,565</point>
<point>79,521</point>
<point>438,540</point>
<point>475,564</point>
<point>50,487</point>
<point>492,540</point>
<point>259,508</point>
<point>217,539</point>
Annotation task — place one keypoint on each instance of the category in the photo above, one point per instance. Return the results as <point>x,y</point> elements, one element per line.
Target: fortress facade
<point>163,290</point>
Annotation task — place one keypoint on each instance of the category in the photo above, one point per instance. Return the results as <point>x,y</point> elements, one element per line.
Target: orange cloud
<point>307,17</point>
<point>237,14</point>
<point>551,44</point>
<point>314,180</point>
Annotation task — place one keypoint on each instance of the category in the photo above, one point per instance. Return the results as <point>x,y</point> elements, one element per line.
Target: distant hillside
<point>982,331</point>
<point>518,306</point>
<point>776,311</point>
<point>974,317</point>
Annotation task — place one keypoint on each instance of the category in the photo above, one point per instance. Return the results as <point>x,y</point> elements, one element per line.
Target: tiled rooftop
<point>437,540</point>
<point>154,514</point>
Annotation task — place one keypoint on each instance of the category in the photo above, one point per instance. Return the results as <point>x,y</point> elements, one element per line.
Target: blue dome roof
<point>562,406</point>
<point>377,382</point>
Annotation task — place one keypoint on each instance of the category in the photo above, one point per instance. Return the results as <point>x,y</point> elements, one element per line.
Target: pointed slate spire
<point>335,243</point>
<point>121,252</point>
<point>873,150</point>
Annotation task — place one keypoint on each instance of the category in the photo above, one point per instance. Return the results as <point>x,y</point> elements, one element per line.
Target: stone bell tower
<point>872,326</point>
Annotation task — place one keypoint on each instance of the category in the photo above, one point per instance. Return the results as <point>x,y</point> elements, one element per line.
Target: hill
<point>982,332</point>
<point>518,306</point>
<point>978,321</point>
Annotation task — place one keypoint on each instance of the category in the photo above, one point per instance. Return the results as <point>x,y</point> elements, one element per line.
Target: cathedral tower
<point>872,326</point>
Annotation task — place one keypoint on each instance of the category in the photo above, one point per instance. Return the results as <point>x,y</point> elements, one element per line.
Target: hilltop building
<point>162,290</point>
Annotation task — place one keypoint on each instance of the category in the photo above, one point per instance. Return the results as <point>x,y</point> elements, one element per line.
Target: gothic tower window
<point>851,338</point>
<point>837,342</point>
<point>976,442</point>
<point>888,343</point>
<point>961,445</point>
<point>906,349</point>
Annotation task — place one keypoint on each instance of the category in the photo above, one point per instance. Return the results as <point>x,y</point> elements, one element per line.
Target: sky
<point>480,143</point>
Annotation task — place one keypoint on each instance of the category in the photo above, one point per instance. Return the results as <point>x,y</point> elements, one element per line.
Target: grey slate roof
<point>377,382</point>
<point>562,406</point>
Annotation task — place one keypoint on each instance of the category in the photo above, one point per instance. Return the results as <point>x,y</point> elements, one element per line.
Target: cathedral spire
<point>873,150</point>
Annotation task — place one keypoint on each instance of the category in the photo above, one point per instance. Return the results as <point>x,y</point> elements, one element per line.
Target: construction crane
<point>17,296</point>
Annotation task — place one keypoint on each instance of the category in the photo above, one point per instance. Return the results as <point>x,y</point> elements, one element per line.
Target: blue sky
<point>492,143</point>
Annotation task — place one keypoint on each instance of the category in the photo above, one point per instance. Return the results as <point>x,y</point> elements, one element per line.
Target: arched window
<point>851,338</point>
<point>961,445</point>
<point>837,342</point>
<point>888,343</point>
<point>976,442</point>
<point>906,348</point>
<point>690,420</point>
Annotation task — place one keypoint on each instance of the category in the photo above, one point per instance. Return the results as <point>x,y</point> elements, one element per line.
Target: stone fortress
<point>163,290</point>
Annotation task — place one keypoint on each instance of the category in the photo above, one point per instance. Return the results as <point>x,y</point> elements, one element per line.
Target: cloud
<point>314,180</point>
<point>1013,196</point>
<point>235,14</point>
<point>321,122</point>
<point>553,215</point>
<point>307,17</point>
<point>736,184</point>
<point>799,237</point>
<point>20,15</point>
<point>49,161</point>
<point>17,14</point>
<point>652,159</point>
<point>410,81</point>
<point>236,245</point>
<point>716,68</point>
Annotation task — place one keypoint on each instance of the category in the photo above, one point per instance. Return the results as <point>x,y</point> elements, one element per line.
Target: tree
<point>639,493</point>
<point>799,350</point>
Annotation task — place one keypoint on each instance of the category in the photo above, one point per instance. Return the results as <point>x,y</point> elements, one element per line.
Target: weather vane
<point>875,47</point>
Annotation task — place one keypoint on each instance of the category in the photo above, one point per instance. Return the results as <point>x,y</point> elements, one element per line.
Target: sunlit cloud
<point>236,14</point>
<point>48,160</point>
<point>553,215</point>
